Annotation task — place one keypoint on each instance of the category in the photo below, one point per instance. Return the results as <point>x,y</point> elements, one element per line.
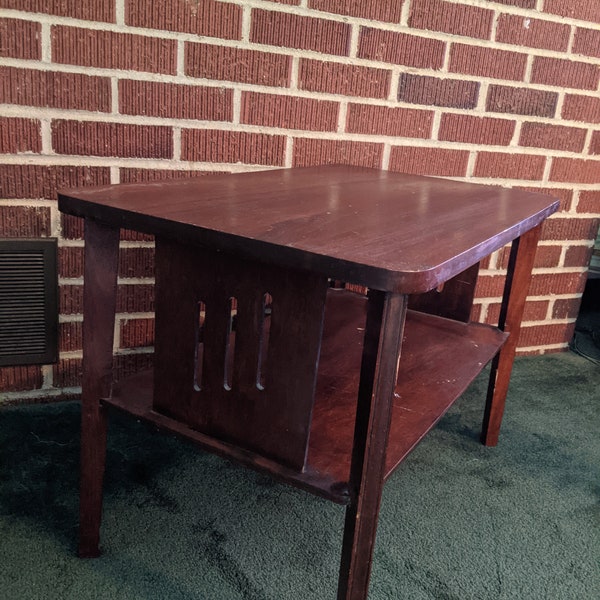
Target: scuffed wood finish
<point>387,231</point>
<point>99,303</point>
<point>518,278</point>
<point>338,412</point>
<point>273,418</point>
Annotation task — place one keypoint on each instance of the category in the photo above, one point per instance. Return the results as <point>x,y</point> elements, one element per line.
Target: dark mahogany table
<point>262,356</point>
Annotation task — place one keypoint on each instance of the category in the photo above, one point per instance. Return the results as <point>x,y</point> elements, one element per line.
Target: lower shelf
<point>439,359</point>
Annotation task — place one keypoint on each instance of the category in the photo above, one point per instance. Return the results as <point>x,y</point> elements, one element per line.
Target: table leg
<point>381,351</point>
<point>518,278</point>
<point>99,304</point>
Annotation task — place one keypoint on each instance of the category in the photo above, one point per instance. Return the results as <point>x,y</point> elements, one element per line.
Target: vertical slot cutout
<point>199,347</point>
<point>263,348</point>
<point>230,343</point>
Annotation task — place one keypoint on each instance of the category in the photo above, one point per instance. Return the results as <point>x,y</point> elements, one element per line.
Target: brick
<point>111,50</point>
<point>70,299</point>
<point>400,48</point>
<point>487,62</point>
<point>322,152</point>
<point>290,112</point>
<point>559,283</point>
<point>135,297</point>
<point>557,228</point>
<point>519,3</point>
<point>288,30</point>
<point>581,108</point>
<point>476,130</point>
<point>521,101</point>
<point>125,365</point>
<point>89,10</point>
<point>575,170</point>
<point>587,42</point>
<point>349,80</point>
<point>25,221</point>
<point>541,135</point>
<point>585,10</point>
<point>545,257</point>
<point>578,256</point>
<point>133,262</point>
<point>112,139</point>
<point>565,196</point>
<point>455,93</point>
<point>67,373</point>
<point>20,135</point>
<point>440,162</point>
<point>589,202</point>
<point>385,120</point>
<point>20,39</point>
<point>135,236</point>
<point>535,310</point>
<point>235,64</point>
<point>70,336</point>
<point>70,261</point>
<point>71,227</point>
<point>30,87</point>
<point>489,286</point>
<point>38,181</point>
<point>383,10</point>
<point>542,335</point>
<point>128,175</point>
<point>532,33</point>
<point>486,262</point>
<point>509,166</point>
<point>17,379</point>
<point>566,308</point>
<point>595,143</point>
<point>565,73</point>
<point>136,262</point>
<point>176,101</point>
<point>459,19</point>
<point>207,18</point>
<point>137,333</point>
<point>209,145</point>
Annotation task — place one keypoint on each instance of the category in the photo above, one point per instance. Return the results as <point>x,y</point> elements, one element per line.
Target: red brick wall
<point>501,92</point>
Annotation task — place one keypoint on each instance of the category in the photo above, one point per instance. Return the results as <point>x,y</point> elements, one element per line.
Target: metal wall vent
<point>28,302</point>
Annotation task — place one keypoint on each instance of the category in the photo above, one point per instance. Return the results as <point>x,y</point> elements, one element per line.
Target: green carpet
<point>458,521</point>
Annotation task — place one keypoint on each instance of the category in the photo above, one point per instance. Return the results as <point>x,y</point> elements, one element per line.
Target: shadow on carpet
<point>458,521</point>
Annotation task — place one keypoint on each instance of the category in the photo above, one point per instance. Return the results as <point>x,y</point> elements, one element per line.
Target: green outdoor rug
<point>458,521</point>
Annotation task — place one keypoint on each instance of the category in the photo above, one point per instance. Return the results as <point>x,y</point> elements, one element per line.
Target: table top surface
<point>385,230</point>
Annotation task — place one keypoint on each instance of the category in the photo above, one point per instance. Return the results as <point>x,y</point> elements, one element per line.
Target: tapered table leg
<point>518,278</point>
<point>381,350</point>
<point>99,304</point>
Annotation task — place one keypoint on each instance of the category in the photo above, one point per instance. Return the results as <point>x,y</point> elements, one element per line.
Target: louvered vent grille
<point>28,302</point>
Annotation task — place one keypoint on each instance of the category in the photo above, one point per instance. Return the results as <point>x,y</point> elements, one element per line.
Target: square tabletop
<point>385,230</point>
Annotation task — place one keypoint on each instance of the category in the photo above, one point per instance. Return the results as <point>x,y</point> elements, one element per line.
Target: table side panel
<point>254,383</point>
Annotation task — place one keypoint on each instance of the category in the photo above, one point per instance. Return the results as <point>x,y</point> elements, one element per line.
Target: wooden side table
<point>259,359</point>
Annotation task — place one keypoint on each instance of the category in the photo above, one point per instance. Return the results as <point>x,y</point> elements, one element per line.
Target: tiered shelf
<point>439,359</point>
